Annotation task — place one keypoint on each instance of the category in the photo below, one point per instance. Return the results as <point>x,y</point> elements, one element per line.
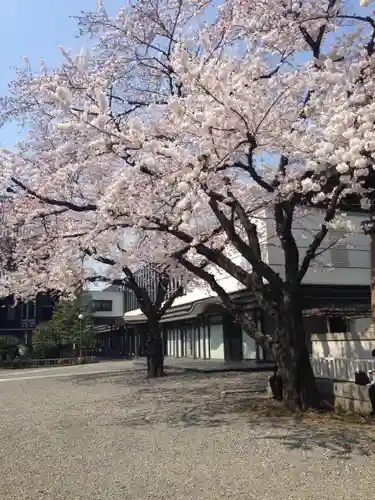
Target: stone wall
<point>344,396</point>
<point>351,397</point>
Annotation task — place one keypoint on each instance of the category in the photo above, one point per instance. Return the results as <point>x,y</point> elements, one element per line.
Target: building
<point>197,326</point>
<point>107,311</point>
<point>19,320</point>
<point>109,306</point>
<point>148,277</point>
<point>335,287</point>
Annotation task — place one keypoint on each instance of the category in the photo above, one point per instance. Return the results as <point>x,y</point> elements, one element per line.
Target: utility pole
<point>80,317</point>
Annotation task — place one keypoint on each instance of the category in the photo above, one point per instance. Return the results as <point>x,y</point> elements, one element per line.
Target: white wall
<point>217,341</point>
<point>357,248</point>
<point>356,344</point>
<point>304,227</point>
<point>361,326</point>
<point>249,348</point>
<point>204,345</point>
<point>170,347</point>
<point>117,299</point>
<point>172,344</point>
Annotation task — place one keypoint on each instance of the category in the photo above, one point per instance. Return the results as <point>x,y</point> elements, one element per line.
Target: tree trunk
<point>291,354</point>
<point>154,350</point>
<point>299,384</point>
<point>292,357</point>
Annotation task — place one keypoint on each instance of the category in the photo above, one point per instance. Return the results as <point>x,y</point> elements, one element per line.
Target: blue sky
<point>35,28</point>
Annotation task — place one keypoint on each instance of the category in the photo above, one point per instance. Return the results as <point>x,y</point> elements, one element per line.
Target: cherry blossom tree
<point>154,301</point>
<point>51,257</point>
<point>188,119</point>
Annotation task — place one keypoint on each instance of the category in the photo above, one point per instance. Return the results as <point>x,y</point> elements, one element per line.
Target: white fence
<point>340,368</point>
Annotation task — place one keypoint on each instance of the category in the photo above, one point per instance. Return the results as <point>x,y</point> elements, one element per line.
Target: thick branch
<point>51,201</point>
<point>214,256</point>
<point>250,168</point>
<point>283,212</point>
<point>163,284</point>
<point>319,237</point>
<point>140,292</point>
<point>130,282</point>
<point>99,258</point>
<point>260,267</point>
<point>316,44</point>
<point>240,315</point>
<point>104,260</point>
<point>105,279</point>
<point>169,302</point>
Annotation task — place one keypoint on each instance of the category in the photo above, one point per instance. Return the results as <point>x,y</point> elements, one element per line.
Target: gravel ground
<point>77,433</point>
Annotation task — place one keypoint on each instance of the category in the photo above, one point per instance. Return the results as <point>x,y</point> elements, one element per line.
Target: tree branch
<point>250,168</point>
<point>240,316</point>
<point>140,292</point>
<point>50,201</point>
<point>250,254</point>
<point>163,283</point>
<point>215,257</point>
<point>319,237</point>
<point>169,302</point>
<point>283,212</point>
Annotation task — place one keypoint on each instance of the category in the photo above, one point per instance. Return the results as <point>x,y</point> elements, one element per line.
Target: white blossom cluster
<point>183,106</point>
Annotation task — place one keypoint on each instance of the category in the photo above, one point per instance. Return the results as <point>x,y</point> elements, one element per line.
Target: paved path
<point>66,371</point>
<point>100,432</point>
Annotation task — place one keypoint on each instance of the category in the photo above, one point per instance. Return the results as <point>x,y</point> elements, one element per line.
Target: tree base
<point>300,391</point>
<point>155,367</point>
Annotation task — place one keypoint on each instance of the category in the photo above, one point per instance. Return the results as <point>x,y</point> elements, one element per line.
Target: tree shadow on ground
<point>137,378</point>
<point>183,400</point>
<point>94,378</point>
<point>337,436</point>
<point>335,443</point>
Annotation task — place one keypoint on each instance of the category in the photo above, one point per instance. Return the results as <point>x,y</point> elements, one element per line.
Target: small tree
<point>65,330</point>
<point>8,346</point>
<point>154,299</point>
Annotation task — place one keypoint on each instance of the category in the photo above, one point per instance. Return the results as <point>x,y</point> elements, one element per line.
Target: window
<point>339,252</point>
<point>102,305</point>
<point>216,320</point>
<point>11,313</point>
<point>32,310</point>
<point>130,301</point>
<point>28,310</point>
<point>315,324</point>
<point>337,325</point>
